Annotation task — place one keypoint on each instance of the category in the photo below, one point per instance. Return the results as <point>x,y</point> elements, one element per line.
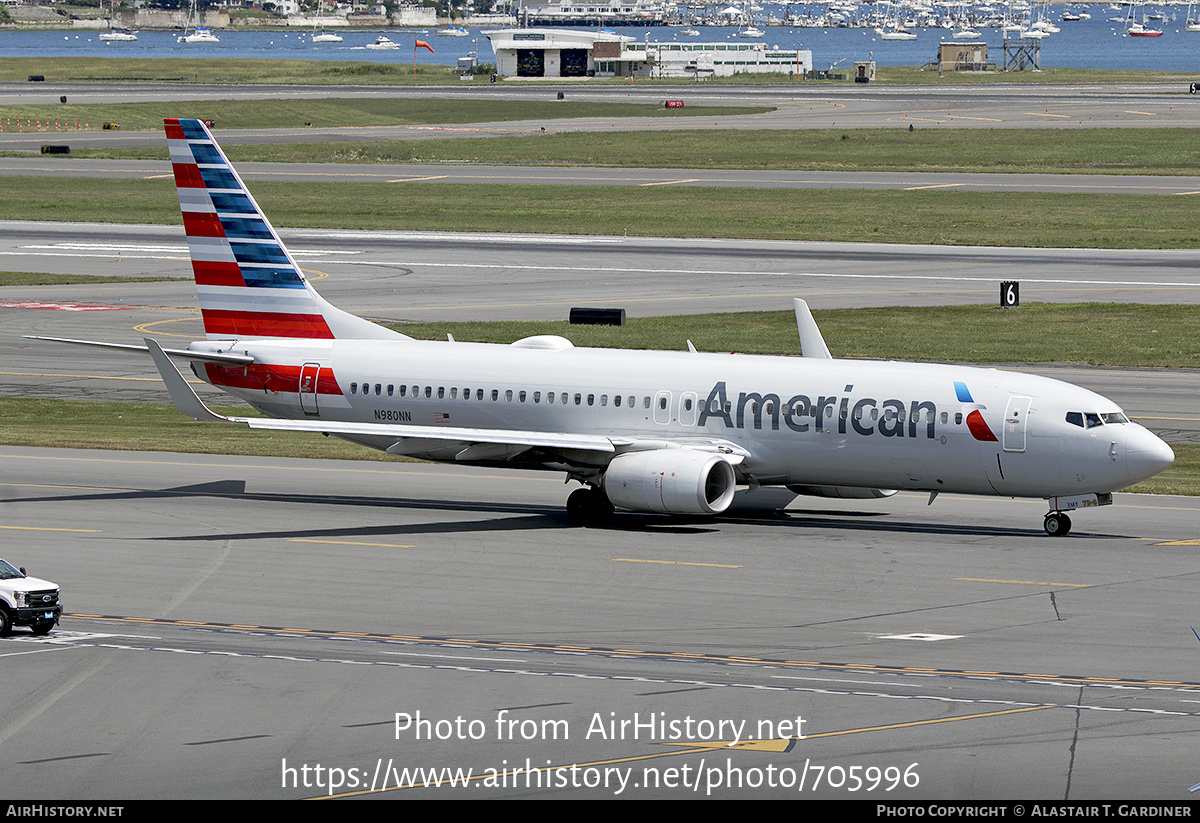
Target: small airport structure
<point>565,53</point>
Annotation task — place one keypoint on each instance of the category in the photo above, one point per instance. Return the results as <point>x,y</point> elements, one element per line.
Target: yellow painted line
<point>938,186</point>
<point>1146,113</point>
<point>48,529</point>
<point>349,543</point>
<point>157,176</point>
<point>675,563</point>
<point>418,179</point>
<point>1039,114</point>
<point>1185,419</point>
<point>85,376</point>
<point>926,722</point>
<point>1024,582</point>
<point>783,744</point>
<point>291,468</point>
<point>670,182</point>
<point>1186,192</point>
<point>144,328</point>
<point>320,275</point>
<point>1180,543</point>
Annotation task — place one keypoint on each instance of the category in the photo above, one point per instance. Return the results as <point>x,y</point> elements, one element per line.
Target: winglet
<point>183,396</point>
<point>812,344</point>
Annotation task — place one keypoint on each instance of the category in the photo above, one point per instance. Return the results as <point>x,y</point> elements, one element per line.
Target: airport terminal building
<point>563,53</point>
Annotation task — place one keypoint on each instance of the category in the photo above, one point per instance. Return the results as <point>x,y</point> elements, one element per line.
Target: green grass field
<point>1131,335</point>
<point>1003,151</point>
<point>33,278</point>
<point>343,113</point>
<point>935,217</point>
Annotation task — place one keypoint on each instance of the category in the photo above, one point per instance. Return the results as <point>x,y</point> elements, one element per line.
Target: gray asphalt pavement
<point>232,618</point>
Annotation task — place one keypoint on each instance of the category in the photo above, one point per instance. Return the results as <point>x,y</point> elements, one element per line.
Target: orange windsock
<point>421,44</point>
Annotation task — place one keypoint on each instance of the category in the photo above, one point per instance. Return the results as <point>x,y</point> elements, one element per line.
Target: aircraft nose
<point>1146,455</point>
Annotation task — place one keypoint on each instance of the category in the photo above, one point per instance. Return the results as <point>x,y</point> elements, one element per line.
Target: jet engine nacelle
<point>670,481</point>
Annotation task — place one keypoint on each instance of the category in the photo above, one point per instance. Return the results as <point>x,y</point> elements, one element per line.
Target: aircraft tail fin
<point>248,282</point>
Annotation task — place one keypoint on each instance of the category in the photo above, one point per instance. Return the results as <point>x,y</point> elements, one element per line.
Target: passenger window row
<point>579,399</point>
<point>537,397</point>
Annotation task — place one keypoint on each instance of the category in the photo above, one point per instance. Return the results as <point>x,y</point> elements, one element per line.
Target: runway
<point>232,614</point>
<point>983,106</point>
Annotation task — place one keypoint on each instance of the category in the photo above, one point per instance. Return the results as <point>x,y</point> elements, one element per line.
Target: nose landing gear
<point>1057,524</point>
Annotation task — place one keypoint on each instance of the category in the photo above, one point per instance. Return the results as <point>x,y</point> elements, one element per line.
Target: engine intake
<point>670,481</point>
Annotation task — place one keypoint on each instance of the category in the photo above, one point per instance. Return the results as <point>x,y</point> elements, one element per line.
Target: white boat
<point>966,34</point>
<point>751,31</point>
<point>116,33</point>
<point>325,37</point>
<point>382,43</point>
<point>689,33</point>
<point>453,31</point>
<point>1138,30</point>
<point>117,36</point>
<point>898,34</point>
<point>199,35</point>
<point>1193,22</point>
<point>1135,29</point>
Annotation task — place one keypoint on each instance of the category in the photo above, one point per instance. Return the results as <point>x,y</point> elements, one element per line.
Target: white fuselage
<point>801,421</point>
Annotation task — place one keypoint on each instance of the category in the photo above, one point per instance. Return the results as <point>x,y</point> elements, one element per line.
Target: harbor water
<point>1095,43</point>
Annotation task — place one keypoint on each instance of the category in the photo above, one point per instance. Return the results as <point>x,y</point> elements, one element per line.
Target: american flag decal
<point>441,417</point>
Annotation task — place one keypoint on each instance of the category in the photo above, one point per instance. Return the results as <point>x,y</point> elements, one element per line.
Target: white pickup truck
<point>26,601</point>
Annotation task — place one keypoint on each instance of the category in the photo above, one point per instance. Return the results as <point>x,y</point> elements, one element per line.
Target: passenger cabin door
<point>1013,437</point>
<point>309,376</point>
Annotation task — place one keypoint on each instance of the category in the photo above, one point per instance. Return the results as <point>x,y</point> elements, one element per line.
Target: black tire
<point>588,507</point>
<point>43,627</point>
<point>5,622</point>
<point>1057,525</point>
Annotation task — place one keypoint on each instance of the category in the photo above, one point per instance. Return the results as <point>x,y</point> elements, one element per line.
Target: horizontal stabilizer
<point>204,357</point>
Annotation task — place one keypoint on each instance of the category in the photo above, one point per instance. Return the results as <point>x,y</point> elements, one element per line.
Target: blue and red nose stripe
<point>241,268</point>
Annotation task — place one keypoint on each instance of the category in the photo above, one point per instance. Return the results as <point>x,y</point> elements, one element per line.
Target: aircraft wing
<point>479,443</point>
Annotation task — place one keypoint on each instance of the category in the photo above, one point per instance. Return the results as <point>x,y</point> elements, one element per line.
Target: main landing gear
<point>589,507</point>
<point>1057,524</point>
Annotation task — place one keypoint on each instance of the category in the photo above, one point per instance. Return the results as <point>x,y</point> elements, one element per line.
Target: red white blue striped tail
<point>249,285</point>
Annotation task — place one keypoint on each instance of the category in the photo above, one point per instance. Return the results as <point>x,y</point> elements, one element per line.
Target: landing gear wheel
<point>1057,524</point>
<point>43,627</point>
<point>588,507</point>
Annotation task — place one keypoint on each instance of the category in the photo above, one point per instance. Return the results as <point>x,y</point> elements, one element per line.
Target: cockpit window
<point>1088,420</point>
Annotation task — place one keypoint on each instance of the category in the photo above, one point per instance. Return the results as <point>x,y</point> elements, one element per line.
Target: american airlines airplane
<point>682,432</point>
